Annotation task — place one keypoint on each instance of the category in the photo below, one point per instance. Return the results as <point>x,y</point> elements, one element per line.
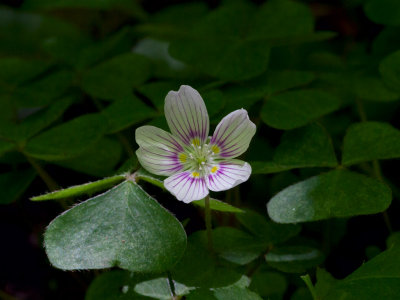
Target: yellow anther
<point>214,169</point>
<point>215,149</point>
<point>195,174</point>
<point>196,142</point>
<point>182,157</point>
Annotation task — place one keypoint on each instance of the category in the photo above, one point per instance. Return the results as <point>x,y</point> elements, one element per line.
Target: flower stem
<point>207,213</point>
<point>125,144</point>
<point>171,286</point>
<point>307,280</point>
<point>48,180</point>
<point>375,164</point>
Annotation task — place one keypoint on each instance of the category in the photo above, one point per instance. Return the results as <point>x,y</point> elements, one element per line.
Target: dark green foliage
<point>370,141</point>
<point>322,84</point>
<point>297,108</point>
<point>377,278</point>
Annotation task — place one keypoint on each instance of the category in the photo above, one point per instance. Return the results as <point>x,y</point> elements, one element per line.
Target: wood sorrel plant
<point>324,158</point>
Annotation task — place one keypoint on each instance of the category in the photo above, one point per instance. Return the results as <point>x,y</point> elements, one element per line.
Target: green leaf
<point>234,291</point>
<point>221,27</point>
<point>244,95</point>
<point>387,41</point>
<point>279,81</point>
<point>159,288</point>
<point>115,284</point>
<point>131,7</point>
<point>294,259</point>
<point>117,44</point>
<point>114,79</point>
<point>386,12</point>
<point>5,147</point>
<point>15,71</point>
<point>218,206</point>
<point>375,279</point>
<point>22,33</point>
<point>308,146</point>
<point>366,87</point>
<point>236,246</point>
<point>390,70</point>
<point>370,141</point>
<point>224,59</point>
<point>67,140</point>
<point>123,227</point>
<point>394,238</point>
<point>269,232</point>
<point>325,282</point>
<point>238,31</point>
<point>34,123</point>
<point>271,20</point>
<point>237,290</point>
<point>301,293</point>
<point>82,189</point>
<point>156,92</point>
<point>14,184</point>
<point>99,160</point>
<point>373,89</point>
<point>268,284</point>
<point>294,109</point>
<point>268,167</point>
<point>198,267</point>
<point>126,112</point>
<point>44,90</point>
<point>338,193</point>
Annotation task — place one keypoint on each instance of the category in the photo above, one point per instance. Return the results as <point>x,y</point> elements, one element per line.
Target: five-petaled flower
<point>195,162</point>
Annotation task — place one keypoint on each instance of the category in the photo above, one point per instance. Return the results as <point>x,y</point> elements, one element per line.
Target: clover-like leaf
<point>309,146</point>
<point>370,141</point>
<point>390,70</point>
<point>386,12</point>
<point>123,227</point>
<point>338,193</point>
<point>294,109</point>
<point>67,140</point>
<point>294,259</point>
<point>115,78</point>
<point>375,279</point>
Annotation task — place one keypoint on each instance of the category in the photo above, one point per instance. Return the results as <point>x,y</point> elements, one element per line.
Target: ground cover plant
<point>200,150</point>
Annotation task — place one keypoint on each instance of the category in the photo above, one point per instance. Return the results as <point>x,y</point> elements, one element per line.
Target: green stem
<point>361,110</point>
<point>48,180</point>
<point>207,213</point>
<point>307,280</point>
<point>171,286</point>
<point>375,164</point>
<point>125,143</point>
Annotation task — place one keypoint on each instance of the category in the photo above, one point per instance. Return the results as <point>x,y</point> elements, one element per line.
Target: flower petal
<point>159,152</point>
<point>187,115</point>
<point>227,174</point>
<point>186,186</point>
<point>233,134</point>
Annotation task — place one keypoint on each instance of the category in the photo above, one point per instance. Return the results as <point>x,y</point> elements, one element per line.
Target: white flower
<point>194,162</point>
